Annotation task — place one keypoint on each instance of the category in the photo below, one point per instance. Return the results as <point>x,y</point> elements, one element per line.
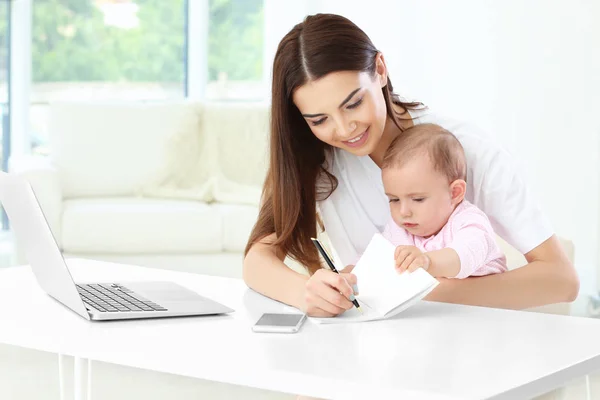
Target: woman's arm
<point>324,294</point>
<point>548,278</point>
<point>265,272</point>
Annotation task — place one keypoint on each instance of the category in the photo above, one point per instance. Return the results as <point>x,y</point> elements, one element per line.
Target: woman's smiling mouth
<point>358,140</point>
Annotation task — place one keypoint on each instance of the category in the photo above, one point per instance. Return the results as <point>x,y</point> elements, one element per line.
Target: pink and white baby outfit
<point>468,231</point>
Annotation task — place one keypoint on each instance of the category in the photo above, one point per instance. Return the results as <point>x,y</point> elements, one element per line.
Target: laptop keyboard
<point>109,297</point>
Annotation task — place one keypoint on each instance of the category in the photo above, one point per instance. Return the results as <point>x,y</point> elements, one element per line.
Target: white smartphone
<point>279,323</point>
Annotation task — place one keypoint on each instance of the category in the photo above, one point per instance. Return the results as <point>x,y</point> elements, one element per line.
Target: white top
<point>430,351</point>
<point>359,208</point>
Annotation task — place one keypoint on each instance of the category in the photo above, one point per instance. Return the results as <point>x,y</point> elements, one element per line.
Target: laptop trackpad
<point>163,292</point>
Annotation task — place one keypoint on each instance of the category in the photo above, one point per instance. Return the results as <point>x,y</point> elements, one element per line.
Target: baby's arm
<point>444,263</point>
<point>473,245</point>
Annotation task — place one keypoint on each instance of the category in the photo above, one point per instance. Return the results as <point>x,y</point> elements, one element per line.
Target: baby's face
<point>420,197</point>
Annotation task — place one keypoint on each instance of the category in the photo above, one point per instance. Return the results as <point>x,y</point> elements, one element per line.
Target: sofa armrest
<point>42,175</point>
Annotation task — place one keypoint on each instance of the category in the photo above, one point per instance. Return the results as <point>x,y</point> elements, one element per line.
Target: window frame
<point>20,76</point>
<point>196,48</point>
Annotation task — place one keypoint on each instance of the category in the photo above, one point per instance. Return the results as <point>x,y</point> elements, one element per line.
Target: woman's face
<point>345,109</point>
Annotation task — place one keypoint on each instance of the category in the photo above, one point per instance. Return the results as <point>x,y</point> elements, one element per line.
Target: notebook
<point>383,291</point>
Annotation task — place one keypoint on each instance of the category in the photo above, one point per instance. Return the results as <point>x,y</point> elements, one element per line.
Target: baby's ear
<point>458,189</point>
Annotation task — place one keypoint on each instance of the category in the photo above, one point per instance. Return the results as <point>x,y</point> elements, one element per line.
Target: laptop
<point>93,301</point>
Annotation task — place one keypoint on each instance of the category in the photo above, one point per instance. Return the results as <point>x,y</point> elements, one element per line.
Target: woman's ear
<point>458,188</point>
<point>381,69</point>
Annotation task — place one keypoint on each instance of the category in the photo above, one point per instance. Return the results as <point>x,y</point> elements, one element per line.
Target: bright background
<point>527,71</point>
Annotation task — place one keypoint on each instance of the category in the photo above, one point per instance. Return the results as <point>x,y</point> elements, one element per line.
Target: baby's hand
<point>410,258</point>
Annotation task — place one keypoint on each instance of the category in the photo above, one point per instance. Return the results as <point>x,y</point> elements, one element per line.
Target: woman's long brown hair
<point>297,176</point>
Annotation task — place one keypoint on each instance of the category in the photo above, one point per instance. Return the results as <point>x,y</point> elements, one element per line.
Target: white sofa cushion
<point>237,221</point>
<point>241,132</point>
<point>114,149</point>
<point>137,225</point>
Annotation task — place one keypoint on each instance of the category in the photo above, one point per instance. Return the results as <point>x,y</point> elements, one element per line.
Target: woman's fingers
<point>312,306</point>
<point>342,283</point>
<point>348,269</point>
<point>352,281</point>
<point>350,278</point>
<point>319,313</point>
<point>337,292</point>
<point>329,292</point>
<point>326,301</point>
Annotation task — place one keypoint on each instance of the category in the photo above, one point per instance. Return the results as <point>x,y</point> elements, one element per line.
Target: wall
<point>527,71</point>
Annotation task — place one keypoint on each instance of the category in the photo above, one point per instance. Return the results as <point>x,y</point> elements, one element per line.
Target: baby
<point>433,226</point>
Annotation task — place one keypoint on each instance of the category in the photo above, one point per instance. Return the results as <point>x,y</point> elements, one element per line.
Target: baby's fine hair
<point>443,149</point>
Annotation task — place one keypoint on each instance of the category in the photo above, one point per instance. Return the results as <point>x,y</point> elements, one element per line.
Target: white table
<point>432,351</point>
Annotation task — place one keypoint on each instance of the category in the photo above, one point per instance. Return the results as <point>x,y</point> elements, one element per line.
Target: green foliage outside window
<point>71,42</point>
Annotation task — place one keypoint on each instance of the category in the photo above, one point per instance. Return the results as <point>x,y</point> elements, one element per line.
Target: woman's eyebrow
<point>347,99</point>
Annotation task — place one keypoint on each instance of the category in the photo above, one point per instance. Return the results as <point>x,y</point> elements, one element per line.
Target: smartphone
<point>279,323</point>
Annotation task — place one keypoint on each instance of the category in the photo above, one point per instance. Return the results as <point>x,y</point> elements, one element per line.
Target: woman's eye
<point>419,200</point>
<point>354,105</point>
<point>319,122</point>
<point>393,200</point>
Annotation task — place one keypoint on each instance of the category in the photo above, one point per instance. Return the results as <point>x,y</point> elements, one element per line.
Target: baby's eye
<point>419,199</point>
<point>319,122</point>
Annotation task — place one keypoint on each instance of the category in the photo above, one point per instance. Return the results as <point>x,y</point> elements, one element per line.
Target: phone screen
<point>279,320</point>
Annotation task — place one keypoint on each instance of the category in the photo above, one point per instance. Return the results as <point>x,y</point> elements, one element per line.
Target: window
<point>235,50</point>
<point>104,50</point>
<point>136,50</point>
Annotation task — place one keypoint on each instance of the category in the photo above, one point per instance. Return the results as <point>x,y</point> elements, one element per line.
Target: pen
<point>331,266</point>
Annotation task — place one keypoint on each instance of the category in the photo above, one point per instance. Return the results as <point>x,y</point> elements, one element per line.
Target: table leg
<point>83,379</point>
<point>81,382</point>
<point>62,384</point>
<point>89,379</point>
<point>588,389</point>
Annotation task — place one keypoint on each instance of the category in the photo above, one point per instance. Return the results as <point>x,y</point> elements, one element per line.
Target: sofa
<point>162,184</point>
<point>171,185</point>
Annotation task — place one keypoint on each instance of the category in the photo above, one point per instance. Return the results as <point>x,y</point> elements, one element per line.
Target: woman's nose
<point>346,130</point>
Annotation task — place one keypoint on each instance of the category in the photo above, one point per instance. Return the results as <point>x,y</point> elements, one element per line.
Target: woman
<point>333,116</point>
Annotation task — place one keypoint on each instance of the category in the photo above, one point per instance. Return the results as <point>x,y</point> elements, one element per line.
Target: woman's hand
<point>328,294</point>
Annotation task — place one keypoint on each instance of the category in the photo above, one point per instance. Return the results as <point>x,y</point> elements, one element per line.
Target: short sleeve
<point>473,240</point>
<point>496,186</point>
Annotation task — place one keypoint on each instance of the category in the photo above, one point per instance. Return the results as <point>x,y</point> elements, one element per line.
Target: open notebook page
<point>383,292</point>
